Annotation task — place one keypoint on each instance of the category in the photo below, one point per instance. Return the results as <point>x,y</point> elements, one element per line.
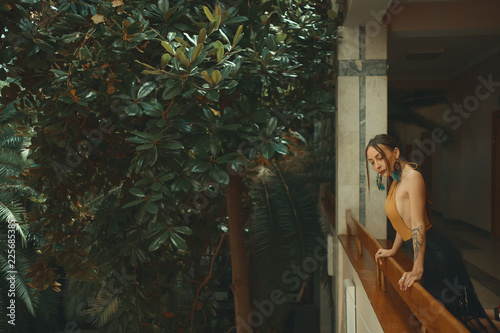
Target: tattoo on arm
<point>418,241</point>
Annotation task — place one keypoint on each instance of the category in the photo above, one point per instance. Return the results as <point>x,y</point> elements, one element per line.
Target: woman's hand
<point>381,253</point>
<point>409,278</point>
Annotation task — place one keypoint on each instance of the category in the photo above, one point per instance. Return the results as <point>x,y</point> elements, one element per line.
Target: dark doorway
<point>495,176</point>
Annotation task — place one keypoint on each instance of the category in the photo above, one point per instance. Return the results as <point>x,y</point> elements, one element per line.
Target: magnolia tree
<point>143,116</point>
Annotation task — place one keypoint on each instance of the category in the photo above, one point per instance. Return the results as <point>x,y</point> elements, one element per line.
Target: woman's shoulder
<point>415,179</point>
<point>414,174</point>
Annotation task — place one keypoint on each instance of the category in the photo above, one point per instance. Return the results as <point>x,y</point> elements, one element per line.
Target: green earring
<point>380,184</point>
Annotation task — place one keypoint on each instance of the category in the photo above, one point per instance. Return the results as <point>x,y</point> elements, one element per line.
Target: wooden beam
<point>429,311</point>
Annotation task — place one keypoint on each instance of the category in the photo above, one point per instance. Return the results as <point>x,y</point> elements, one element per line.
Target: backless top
<point>392,213</point>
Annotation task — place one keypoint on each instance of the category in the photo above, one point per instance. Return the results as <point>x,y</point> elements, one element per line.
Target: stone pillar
<point>361,114</point>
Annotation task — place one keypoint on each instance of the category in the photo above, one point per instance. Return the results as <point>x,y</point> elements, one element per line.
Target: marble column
<point>361,114</point>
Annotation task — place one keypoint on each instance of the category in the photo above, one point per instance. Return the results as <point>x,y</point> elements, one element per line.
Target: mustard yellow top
<point>392,213</point>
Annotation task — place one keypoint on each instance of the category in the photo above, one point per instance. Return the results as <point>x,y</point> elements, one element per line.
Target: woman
<point>437,261</point>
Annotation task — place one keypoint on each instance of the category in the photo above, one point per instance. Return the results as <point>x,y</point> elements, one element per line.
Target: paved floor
<point>482,256</point>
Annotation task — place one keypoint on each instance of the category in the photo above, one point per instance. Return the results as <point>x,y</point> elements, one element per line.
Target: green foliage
<point>287,244</point>
<point>15,202</point>
<point>137,108</point>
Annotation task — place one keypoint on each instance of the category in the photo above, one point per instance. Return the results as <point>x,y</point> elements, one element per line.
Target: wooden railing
<point>431,314</point>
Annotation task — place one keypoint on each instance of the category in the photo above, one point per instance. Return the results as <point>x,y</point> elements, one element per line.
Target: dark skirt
<point>446,278</point>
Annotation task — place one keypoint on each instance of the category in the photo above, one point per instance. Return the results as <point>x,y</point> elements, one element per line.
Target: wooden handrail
<point>433,316</point>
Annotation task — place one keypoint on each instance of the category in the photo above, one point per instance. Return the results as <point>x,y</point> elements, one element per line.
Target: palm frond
<point>18,191</point>
<point>12,162</point>
<point>284,234</point>
<point>10,211</point>
<point>47,306</point>
<point>23,291</point>
<point>104,307</point>
<point>76,295</point>
<point>8,113</point>
<point>268,247</point>
<point>297,225</point>
<point>8,139</point>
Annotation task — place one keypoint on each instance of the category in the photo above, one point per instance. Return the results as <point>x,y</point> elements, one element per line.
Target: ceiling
<point>437,57</point>
<point>440,40</point>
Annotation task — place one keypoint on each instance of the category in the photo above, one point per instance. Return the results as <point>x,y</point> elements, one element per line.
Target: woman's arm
<point>381,253</point>
<point>398,242</point>
<point>416,193</point>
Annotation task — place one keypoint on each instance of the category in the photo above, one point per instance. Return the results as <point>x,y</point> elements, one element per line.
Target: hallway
<point>481,253</point>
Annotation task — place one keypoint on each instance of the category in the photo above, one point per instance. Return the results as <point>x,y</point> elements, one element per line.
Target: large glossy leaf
<point>213,95</point>
<point>201,166</point>
<point>137,192</point>
<point>271,125</point>
<point>279,148</point>
<point>182,57</point>
<point>156,186</point>
<point>144,147</point>
<point>168,47</point>
<point>219,175</point>
<point>133,203</point>
<point>267,151</point>
<point>165,59</point>
<point>237,35</point>
<point>166,176</point>
<point>215,144</point>
<point>133,109</point>
<point>171,91</point>
<point>138,140</point>
<point>151,109</point>
<point>76,19</point>
<point>171,145</point>
<point>178,242</point>
<point>208,13</point>
<point>183,230</point>
<point>162,238</point>
<point>66,99</point>
<point>236,19</point>
<point>164,5</point>
<point>196,52</point>
<point>146,89</point>
<point>151,207</point>
<point>226,158</point>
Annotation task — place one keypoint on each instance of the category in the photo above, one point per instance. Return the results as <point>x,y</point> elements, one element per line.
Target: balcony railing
<point>410,310</point>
